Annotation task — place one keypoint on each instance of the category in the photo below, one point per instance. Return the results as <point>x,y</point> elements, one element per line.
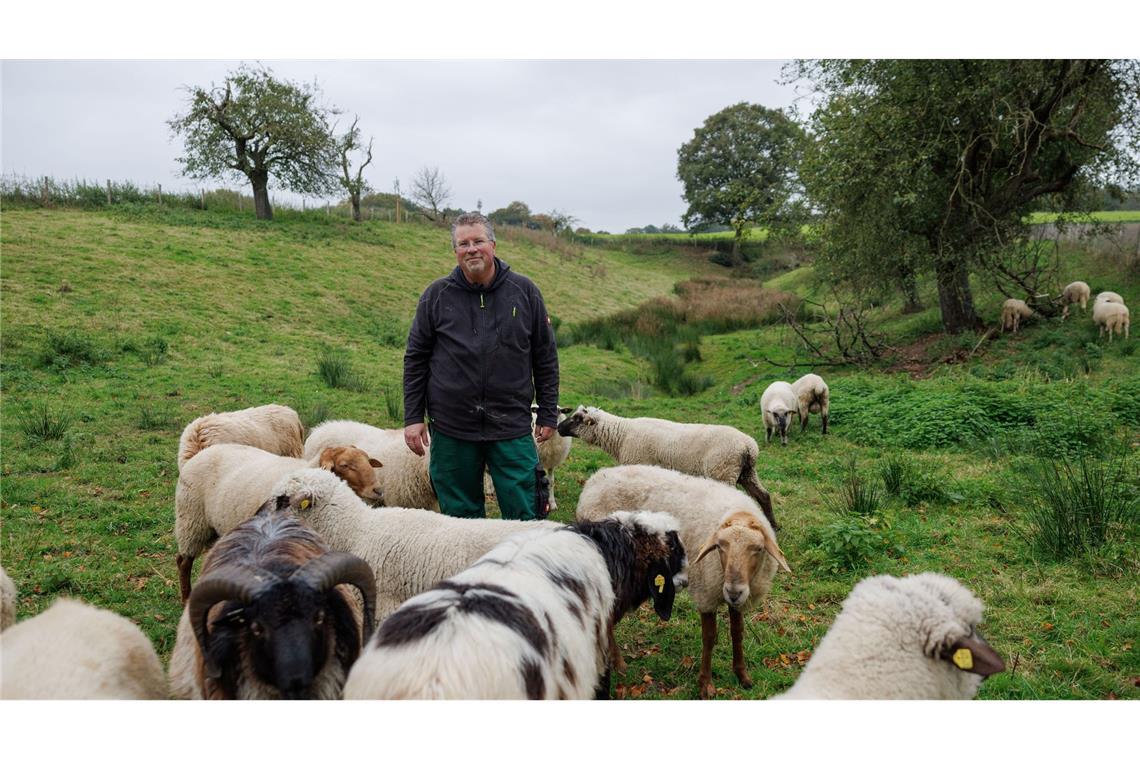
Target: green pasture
<point>118,327</point>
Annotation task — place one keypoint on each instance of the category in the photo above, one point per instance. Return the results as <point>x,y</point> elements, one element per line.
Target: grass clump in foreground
<point>42,423</point>
<point>335,368</point>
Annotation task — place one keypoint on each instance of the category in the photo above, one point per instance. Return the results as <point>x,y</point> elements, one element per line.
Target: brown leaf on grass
<point>803,656</point>
<point>647,678</point>
<point>687,662</point>
<point>1046,626</point>
<point>159,616</point>
<point>619,691</point>
<point>636,691</point>
<point>1112,695</point>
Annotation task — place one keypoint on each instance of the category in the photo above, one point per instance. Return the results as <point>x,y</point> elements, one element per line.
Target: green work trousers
<point>456,471</point>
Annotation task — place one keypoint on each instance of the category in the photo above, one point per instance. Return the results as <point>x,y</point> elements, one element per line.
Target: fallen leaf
<point>811,606</point>
<point>619,691</point>
<point>67,554</point>
<point>686,662</point>
<point>159,616</point>
<point>636,691</point>
<point>647,678</point>
<point>1046,626</point>
<point>1127,647</point>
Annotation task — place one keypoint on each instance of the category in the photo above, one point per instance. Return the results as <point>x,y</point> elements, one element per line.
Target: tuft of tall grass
<point>314,414</point>
<point>335,368</point>
<point>394,403</point>
<point>1078,503</point>
<point>42,423</point>
<point>858,494</point>
<point>894,471</point>
<point>155,419</point>
<point>69,349</point>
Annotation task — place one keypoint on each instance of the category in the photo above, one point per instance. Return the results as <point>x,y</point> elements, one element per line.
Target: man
<point>481,347</point>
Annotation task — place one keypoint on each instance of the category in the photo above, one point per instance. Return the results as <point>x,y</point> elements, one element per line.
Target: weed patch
<point>335,368</point>
<point>42,423</point>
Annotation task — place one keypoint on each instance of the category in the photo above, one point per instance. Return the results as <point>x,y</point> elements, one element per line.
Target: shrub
<point>335,368</point>
<point>42,423</point>
<point>848,544</point>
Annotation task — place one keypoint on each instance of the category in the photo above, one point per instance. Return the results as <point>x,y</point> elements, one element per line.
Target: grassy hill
<point>119,327</point>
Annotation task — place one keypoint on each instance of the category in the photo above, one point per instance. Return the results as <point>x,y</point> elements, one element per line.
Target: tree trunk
<point>260,182</point>
<point>909,285</point>
<point>954,297</point>
<point>355,198</point>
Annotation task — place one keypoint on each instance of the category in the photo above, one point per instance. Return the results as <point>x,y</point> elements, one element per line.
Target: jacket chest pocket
<point>514,328</point>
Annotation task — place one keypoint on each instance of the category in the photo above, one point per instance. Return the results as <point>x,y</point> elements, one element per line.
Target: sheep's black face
<point>668,574</point>
<point>286,635</point>
<point>569,426</point>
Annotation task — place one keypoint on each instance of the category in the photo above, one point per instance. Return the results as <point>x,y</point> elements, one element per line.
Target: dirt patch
<point>921,358</point>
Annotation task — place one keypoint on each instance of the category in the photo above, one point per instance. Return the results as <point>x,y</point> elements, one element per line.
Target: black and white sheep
<point>533,619</point>
<point>718,452</point>
<point>75,651</point>
<point>901,638</point>
<point>227,483</point>
<point>272,427</point>
<point>777,405</point>
<point>269,618</point>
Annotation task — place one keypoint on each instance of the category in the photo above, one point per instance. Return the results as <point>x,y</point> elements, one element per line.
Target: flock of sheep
<point>1109,312</point>
<point>329,572</point>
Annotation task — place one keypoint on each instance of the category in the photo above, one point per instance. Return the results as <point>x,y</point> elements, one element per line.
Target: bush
<point>848,544</point>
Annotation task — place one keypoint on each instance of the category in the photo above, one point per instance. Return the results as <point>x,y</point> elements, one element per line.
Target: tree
<point>354,185</point>
<point>260,127</point>
<point>515,213</point>
<point>562,221</point>
<point>739,170</point>
<point>932,166</point>
<point>430,189</point>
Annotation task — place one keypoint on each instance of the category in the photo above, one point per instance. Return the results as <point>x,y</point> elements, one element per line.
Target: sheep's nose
<point>735,596</point>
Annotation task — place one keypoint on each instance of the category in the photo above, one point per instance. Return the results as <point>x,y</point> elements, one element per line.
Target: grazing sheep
<point>813,397</point>
<point>777,405</point>
<point>1012,311</point>
<point>409,550</point>
<point>404,477</point>
<point>8,598</point>
<point>1107,296</point>
<point>901,638</point>
<point>225,484</point>
<point>532,619</point>
<point>274,428</point>
<point>1111,317</point>
<point>269,618</point>
<point>1074,293</point>
<point>75,651</point>
<point>551,453</point>
<point>712,516</point>
<point>719,452</point>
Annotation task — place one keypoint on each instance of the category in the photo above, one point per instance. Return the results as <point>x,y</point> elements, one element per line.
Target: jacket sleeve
<point>544,364</point>
<point>417,357</point>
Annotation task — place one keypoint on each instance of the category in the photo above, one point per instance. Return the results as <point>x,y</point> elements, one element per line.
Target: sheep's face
<point>355,467</point>
<point>287,634</point>
<point>577,423</point>
<point>742,542</point>
<point>780,415</point>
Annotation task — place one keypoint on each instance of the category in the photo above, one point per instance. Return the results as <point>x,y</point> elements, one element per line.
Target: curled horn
<point>329,570</point>
<point>218,587</point>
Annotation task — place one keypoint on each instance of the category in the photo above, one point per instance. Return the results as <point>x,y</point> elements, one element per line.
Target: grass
<point>243,310</point>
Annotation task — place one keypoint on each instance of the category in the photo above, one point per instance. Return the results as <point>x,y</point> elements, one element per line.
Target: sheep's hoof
<point>745,680</point>
<point>707,690</point>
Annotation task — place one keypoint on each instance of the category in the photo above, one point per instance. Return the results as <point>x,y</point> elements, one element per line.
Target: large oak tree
<point>260,127</point>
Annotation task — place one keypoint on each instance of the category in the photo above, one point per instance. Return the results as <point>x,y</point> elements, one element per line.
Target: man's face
<point>475,253</point>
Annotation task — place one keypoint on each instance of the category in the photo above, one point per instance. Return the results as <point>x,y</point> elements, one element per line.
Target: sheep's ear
<point>661,589</point>
<point>375,462</point>
<point>328,458</point>
<point>709,546</point>
<point>974,655</point>
<point>774,552</point>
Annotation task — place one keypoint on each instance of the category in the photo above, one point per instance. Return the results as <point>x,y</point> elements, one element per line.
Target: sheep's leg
<point>185,564</point>
<point>736,627</point>
<point>803,422</point>
<point>617,662</point>
<point>823,416</point>
<point>708,641</point>
<point>753,488</point>
<point>769,431</point>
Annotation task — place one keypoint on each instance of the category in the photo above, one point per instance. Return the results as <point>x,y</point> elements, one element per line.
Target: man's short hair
<point>472,217</point>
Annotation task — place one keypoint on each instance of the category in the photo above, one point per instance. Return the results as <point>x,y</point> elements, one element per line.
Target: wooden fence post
<point>159,193</point>
<point>108,192</point>
<point>47,194</point>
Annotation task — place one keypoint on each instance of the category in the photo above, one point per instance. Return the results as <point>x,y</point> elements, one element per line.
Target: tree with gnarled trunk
<point>943,160</point>
<point>356,185</point>
<point>431,191</point>
<point>260,127</point>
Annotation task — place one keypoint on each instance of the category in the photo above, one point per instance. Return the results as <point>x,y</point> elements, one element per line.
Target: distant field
<point>120,327</point>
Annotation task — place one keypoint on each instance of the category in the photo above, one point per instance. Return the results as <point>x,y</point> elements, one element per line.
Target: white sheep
<point>777,405</point>
<point>225,484</point>
<point>272,427</point>
<point>1107,296</point>
<point>551,454</point>
<point>409,550</point>
<point>532,619</point>
<point>404,477</point>
<point>813,397</point>
<point>1076,292</point>
<point>901,638</point>
<point>8,599</point>
<point>1111,317</point>
<point>719,452</point>
<point>75,651</point>
<point>1012,312</point>
<point>712,516</point>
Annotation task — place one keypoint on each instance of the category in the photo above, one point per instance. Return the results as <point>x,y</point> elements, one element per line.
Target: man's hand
<point>417,438</point>
<point>542,433</point>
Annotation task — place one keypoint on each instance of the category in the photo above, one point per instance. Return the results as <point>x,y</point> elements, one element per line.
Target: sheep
<point>404,477</point>
<point>551,453</point>
<point>1074,293</point>
<point>269,618</point>
<point>813,397</point>
<point>274,428</point>
<point>901,638</point>
<point>532,619</point>
<point>226,483</point>
<point>778,403</point>
<point>1012,311</point>
<point>712,516</point>
<point>409,550</point>
<point>8,598</point>
<point>1111,317</point>
<point>76,651</point>
<point>1107,296</point>
<point>719,452</point>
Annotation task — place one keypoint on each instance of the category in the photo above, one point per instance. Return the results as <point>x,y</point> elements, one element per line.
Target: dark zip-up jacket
<point>477,356</point>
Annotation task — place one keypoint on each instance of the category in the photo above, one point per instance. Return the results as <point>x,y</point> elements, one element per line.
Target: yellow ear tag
<point>305,503</point>
<point>964,659</point>
<point>659,582</point>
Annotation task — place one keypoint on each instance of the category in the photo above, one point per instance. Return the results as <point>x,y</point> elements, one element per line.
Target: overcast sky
<point>596,139</point>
